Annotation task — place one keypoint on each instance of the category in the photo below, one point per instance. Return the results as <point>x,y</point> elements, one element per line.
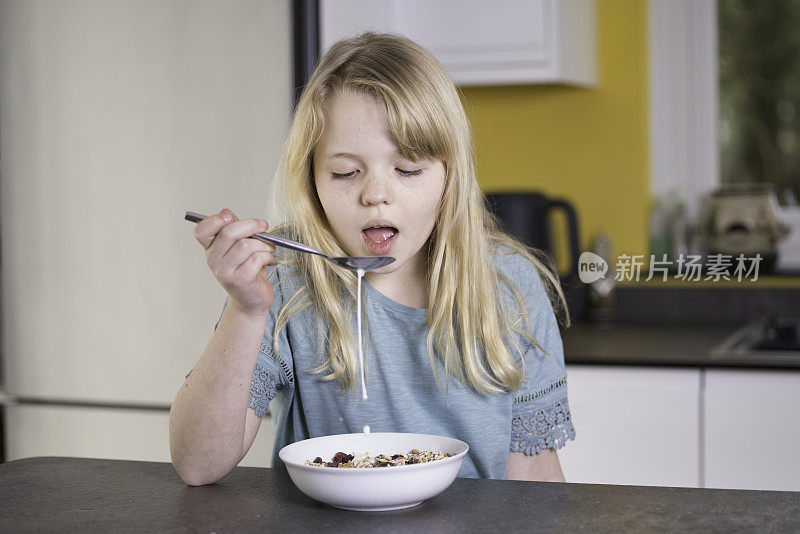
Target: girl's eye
<point>339,176</point>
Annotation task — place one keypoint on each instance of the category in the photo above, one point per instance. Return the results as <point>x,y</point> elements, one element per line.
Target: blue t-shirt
<point>404,395</point>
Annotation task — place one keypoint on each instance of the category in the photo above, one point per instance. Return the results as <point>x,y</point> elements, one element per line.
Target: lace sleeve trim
<point>547,428</point>
<point>263,388</point>
<point>285,367</point>
<point>535,395</point>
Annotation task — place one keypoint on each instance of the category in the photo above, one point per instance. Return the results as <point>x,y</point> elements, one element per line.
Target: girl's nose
<point>376,191</point>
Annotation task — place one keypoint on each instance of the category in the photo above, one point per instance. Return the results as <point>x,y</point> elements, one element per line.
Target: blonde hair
<point>467,320</point>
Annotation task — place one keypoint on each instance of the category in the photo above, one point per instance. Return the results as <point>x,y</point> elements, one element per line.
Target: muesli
<point>413,456</point>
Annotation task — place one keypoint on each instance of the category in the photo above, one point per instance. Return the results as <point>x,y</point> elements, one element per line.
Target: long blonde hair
<point>467,320</point>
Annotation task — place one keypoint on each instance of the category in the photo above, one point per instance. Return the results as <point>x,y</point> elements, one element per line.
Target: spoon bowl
<point>357,263</point>
<point>362,263</point>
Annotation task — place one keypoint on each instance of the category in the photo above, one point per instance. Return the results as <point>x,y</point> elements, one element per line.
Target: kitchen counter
<point>662,345</point>
<point>47,494</point>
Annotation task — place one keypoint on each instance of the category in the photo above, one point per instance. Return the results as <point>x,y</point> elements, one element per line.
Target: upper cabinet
<point>482,43</point>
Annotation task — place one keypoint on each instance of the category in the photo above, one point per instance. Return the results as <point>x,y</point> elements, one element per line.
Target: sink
<point>771,339</point>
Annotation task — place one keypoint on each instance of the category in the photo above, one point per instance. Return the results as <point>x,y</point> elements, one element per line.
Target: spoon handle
<point>269,238</point>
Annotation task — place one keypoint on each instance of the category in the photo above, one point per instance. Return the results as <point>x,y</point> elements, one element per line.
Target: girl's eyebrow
<point>343,155</point>
<point>354,156</point>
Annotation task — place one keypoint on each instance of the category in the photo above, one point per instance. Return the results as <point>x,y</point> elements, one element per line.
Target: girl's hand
<point>238,262</point>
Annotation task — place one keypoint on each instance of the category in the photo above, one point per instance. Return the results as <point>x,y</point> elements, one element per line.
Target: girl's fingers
<point>254,264</point>
<point>229,235</point>
<point>241,251</point>
<point>233,232</point>
<point>206,230</point>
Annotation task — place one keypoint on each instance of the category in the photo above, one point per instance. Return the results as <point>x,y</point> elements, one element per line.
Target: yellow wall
<point>587,145</point>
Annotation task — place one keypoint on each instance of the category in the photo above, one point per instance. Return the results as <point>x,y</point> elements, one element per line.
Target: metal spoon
<point>365,264</point>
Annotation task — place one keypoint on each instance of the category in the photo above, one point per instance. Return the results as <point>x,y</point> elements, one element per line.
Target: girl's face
<point>377,202</point>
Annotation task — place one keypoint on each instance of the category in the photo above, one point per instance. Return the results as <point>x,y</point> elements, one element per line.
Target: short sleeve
<point>268,376</point>
<point>540,416</point>
<point>273,371</point>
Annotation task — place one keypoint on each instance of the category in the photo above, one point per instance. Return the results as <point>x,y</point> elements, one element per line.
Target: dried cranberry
<point>317,460</point>
<point>337,458</point>
<point>347,458</point>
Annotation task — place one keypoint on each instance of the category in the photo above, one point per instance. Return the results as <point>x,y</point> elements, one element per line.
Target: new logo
<point>591,267</point>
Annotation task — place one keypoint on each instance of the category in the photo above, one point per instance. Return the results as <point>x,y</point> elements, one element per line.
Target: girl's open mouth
<point>380,239</point>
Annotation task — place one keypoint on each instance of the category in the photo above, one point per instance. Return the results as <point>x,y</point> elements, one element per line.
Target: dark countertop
<point>47,494</point>
<point>657,345</point>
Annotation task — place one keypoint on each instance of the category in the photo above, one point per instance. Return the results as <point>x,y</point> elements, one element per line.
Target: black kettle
<point>526,216</point>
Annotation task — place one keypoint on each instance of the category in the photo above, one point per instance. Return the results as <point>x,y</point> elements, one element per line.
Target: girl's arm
<point>210,426</point>
<point>544,467</point>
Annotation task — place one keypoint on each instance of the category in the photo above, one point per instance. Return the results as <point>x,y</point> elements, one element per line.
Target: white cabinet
<point>482,43</point>
<point>752,429</point>
<point>89,432</point>
<point>634,425</point>
<point>713,428</point>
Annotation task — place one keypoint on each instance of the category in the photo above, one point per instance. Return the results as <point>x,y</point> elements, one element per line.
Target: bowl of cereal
<point>374,472</point>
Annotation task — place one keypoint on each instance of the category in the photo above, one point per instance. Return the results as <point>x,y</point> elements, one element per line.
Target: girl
<point>461,337</point>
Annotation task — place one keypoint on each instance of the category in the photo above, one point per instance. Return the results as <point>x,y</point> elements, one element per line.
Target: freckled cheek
<point>424,215</point>
<point>340,211</point>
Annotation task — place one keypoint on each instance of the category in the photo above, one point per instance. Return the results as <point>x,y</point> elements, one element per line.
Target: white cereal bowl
<point>378,488</point>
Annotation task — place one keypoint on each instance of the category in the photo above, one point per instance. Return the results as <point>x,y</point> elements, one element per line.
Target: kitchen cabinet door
<point>634,425</point>
<point>88,432</point>
<point>482,43</point>
<point>752,429</point>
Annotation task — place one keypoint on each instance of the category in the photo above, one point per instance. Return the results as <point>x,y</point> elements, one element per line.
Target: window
<point>759,93</point>
<point>684,149</point>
